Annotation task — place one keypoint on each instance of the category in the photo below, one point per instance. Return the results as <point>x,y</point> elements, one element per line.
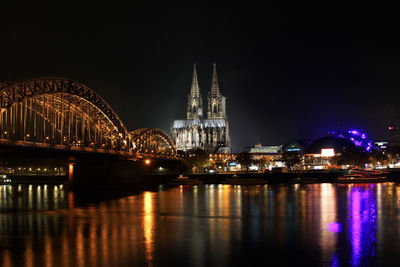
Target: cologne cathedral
<point>209,131</point>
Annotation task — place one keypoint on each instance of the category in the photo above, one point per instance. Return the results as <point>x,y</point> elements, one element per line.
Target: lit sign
<point>380,143</point>
<point>327,152</point>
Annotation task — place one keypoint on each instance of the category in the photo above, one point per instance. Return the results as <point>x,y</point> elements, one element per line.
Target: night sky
<point>287,73</point>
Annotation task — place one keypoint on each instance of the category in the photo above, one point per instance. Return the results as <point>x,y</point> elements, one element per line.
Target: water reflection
<point>210,225</point>
<point>328,215</point>
<point>362,223</point>
<point>148,225</point>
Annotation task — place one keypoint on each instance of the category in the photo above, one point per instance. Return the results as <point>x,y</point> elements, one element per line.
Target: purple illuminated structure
<point>358,138</point>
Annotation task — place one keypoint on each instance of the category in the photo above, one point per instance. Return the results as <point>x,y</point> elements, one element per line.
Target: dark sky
<point>287,73</point>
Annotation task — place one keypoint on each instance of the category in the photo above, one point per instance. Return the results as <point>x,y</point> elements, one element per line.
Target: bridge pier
<point>81,168</point>
<point>117,172</point>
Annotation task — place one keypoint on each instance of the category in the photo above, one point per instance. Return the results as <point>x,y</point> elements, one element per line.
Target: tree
<point>377,156</point>
<point>291,158</point>
<point>352,156</point>
<point>244,158</point>
<point>196,158</point>
<point>263,162</point>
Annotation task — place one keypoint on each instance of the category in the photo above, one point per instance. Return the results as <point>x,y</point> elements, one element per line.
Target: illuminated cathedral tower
<point>195,103</point>
<point>211,133</point>
<point>216,102</point>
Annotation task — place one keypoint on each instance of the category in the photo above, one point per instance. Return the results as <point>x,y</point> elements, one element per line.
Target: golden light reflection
<point>398,196</point>
<point>195,200</point>
<point>93,242</point>
<point>148,226</point>
<point>48,253</point>
<point>30,197</point>
<point>104,234</point>
<point>226,209</point>
<point>303,213</point>
<point>115,233</point>
<point>212,221</point>
<point>39,194</point>
<point>6,259</point>
<point>238,200</point>
<point>71,204</point>
<point>281,203</point>
<point>65,248</point>
<point>29,254</point>
<point>328,216</point>
<point>123,233</point>
<point>238,212</point>
<point>198,222</point>
<point>71,173</point>
<point>296,187</point>
<point>79,246</point>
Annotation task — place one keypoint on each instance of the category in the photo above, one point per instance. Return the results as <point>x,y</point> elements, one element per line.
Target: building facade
<point>207,130</point>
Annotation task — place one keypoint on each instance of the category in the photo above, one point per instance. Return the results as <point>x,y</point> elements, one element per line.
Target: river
<point>204,225</point>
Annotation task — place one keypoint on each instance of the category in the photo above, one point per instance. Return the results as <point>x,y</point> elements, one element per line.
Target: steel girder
<point>17,91</point>
<point>143,138</point>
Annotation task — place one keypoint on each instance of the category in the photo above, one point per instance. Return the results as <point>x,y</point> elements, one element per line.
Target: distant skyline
<point>286,73</point>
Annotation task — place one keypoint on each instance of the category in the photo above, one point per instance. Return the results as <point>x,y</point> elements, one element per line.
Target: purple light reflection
<point>355,227</point>
<point>362,224</point>
<point>335,227</point>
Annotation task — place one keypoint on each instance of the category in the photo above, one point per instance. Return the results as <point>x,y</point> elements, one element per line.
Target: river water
<point>207,225</point>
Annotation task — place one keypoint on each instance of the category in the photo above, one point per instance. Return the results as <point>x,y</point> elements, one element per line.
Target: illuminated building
<point>358,138</point>
<point>210,132</point>
<point>394,133</point>
<point>222,162</point>
<point>260,150</point>
<point>382,145</point>
<point>392,148</point>
<point>297,146</point>
<point>319,153</point>
<point>269,155</point>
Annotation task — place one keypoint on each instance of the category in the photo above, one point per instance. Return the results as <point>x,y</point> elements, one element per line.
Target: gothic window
<point>215,108</point>
<point>194,109</point>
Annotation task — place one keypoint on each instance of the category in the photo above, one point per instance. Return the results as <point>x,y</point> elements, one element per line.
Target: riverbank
<point>285,177</point>
<point>140,179</point>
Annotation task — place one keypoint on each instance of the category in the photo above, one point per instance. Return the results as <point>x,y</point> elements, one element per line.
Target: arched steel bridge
<point>58,112</point>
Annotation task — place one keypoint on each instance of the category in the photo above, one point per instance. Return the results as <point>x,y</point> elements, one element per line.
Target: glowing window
<point>327,152</point>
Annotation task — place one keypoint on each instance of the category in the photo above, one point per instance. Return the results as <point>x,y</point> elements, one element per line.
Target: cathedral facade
<point>207,130</point>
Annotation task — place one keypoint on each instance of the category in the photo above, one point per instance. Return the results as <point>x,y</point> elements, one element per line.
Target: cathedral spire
<point>195,103</point>
<point>214,83</point>
<point>208,130</point>
<point>216,106</point>
<point>195,90</point>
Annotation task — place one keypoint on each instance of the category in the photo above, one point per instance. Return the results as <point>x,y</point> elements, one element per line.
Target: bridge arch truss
<point>58,111</point>
<point>152,141</point>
